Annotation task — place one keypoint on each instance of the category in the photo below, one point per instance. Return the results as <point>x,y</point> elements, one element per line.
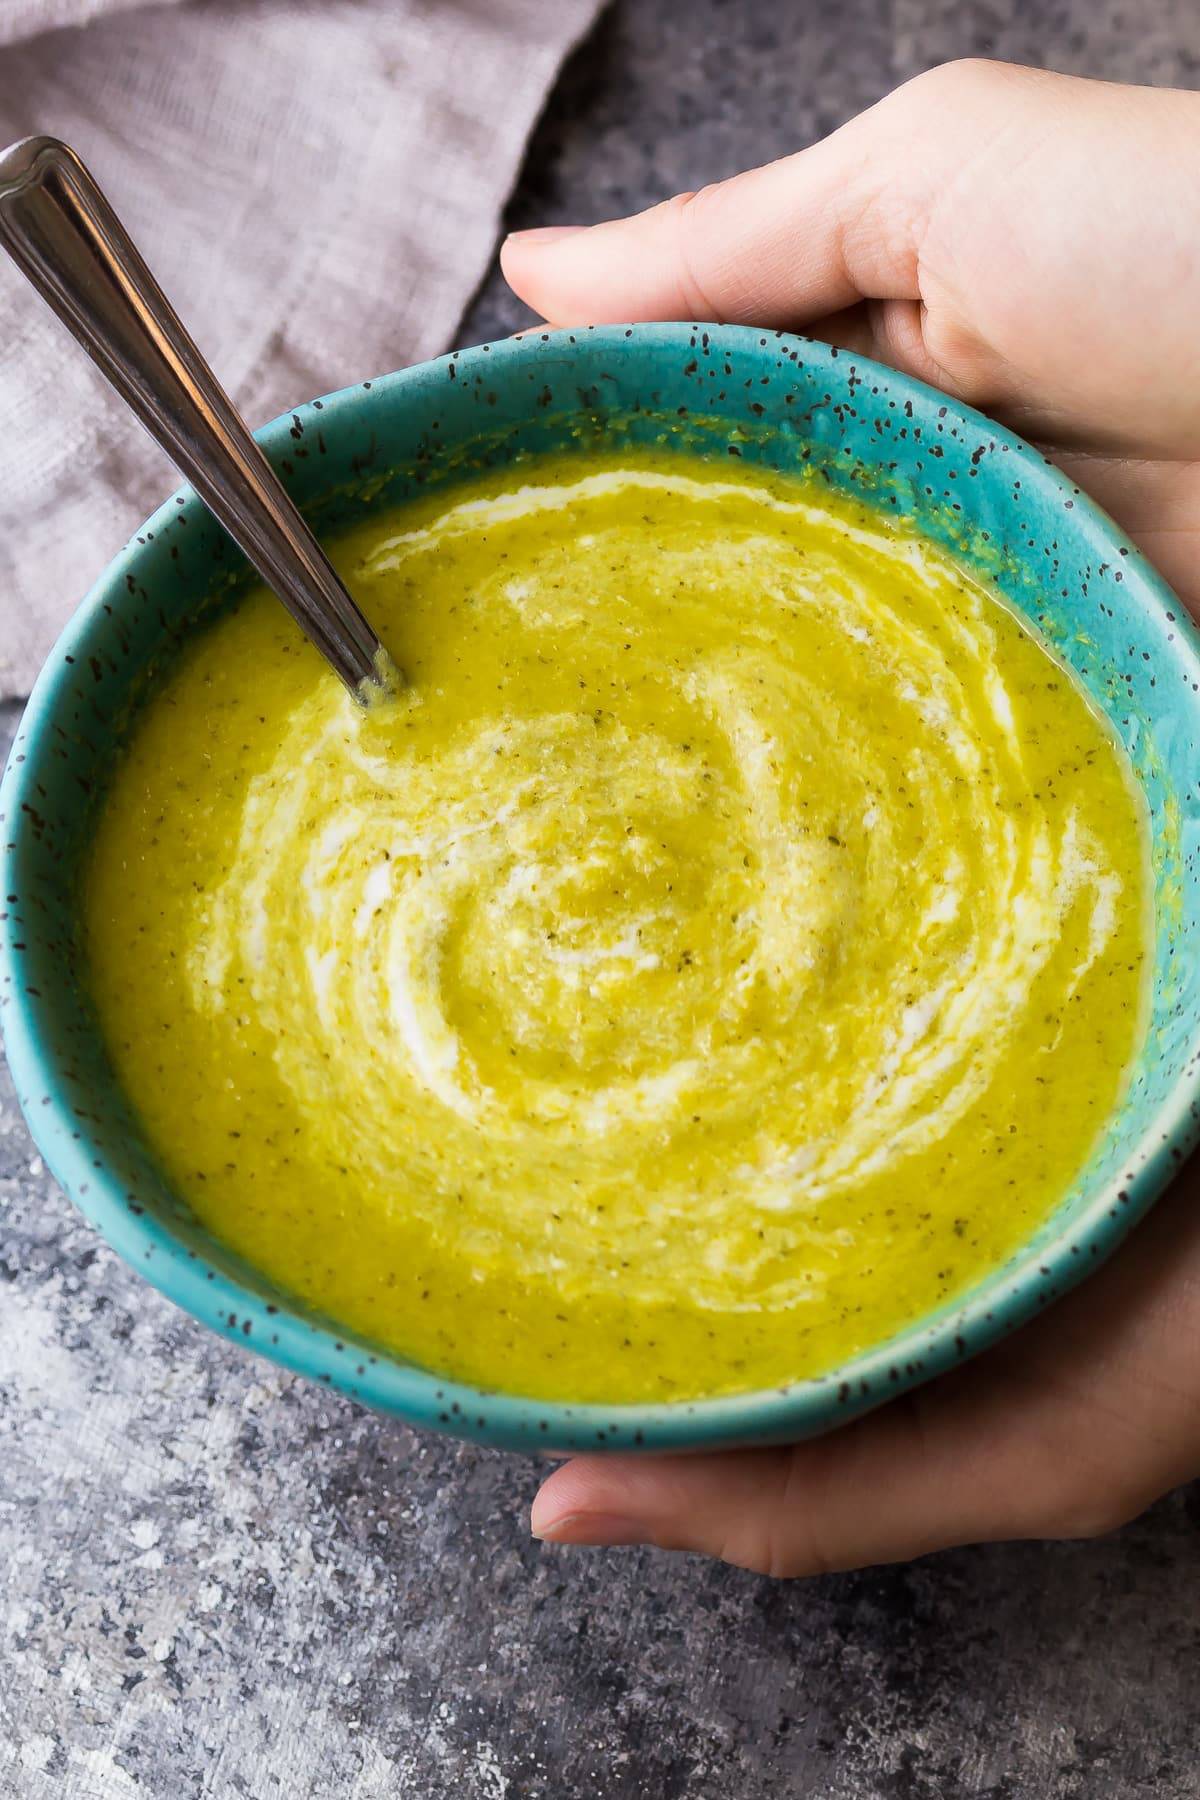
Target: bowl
<point>763,398</point>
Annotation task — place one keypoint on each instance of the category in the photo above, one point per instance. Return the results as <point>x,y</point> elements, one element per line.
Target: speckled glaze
<point>771,399</point>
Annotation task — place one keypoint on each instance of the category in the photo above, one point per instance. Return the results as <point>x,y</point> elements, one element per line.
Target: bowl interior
<point>769,399</point>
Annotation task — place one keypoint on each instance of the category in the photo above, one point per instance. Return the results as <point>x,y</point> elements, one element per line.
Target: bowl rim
<point>288,1335</point>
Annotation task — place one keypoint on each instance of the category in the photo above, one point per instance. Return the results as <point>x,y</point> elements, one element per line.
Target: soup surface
<point>726,947</point>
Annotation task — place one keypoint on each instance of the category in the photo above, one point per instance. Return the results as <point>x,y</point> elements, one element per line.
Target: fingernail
<point>588,1528</point>
<point>544,234</point>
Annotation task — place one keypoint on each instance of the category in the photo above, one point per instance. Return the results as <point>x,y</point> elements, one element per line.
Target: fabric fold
<point>316,185</point>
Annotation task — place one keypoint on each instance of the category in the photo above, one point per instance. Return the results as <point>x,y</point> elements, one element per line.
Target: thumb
<point>770,245</point>
<point>783,244</point>
<point>938,1468</point>
<point>866,1495</point>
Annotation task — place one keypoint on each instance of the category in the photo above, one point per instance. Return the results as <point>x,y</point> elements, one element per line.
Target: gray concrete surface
<point>218,1581</point>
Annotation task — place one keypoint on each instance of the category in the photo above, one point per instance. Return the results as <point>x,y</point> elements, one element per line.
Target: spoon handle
<point>60,230</point>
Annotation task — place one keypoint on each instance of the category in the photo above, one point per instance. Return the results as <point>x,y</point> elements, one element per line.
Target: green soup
<point>726,947</point>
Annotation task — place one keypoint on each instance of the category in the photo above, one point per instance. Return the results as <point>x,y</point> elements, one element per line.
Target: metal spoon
<point>60,230</point>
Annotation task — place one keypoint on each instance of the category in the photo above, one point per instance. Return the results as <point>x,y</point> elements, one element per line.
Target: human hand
<point>1028,243</point>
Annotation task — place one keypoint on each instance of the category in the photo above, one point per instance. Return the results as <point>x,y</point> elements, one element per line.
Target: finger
<point>869,1494</point>
<point>941,1467</point>
<point>772,244</point>
<point>892,332</point>
<point>785,243</point>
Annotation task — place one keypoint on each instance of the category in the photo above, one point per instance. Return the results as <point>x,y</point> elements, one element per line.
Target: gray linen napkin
<point>317,185</point>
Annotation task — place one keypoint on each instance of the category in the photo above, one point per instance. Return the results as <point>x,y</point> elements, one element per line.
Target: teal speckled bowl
<point>770,399</point>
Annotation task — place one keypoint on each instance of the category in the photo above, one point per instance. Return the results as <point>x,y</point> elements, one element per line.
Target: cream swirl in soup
<point>726,947</point>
